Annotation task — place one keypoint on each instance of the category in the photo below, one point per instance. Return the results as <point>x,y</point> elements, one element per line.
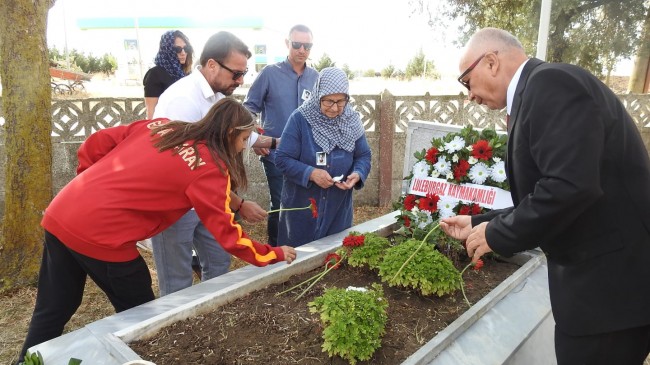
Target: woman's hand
<point>350,182</point>
<point>250,211</point>
<point>289,253</point>
<point>321,178</point>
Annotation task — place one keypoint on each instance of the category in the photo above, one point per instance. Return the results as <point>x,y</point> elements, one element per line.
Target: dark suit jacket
<point>579,176</point>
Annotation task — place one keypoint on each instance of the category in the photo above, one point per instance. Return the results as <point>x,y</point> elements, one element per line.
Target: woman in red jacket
<point>132,182</point>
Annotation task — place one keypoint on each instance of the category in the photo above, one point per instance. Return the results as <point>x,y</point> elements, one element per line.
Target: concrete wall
<point>386,118</point>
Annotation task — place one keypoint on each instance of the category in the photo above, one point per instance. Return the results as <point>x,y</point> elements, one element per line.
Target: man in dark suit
<point>579,176</point>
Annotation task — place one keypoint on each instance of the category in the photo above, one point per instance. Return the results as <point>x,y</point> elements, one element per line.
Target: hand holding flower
<point>458,227</point>
<point>350,182</point>
<point>321,178</point>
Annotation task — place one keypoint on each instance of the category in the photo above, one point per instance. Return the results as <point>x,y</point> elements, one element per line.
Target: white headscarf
<point>343,130</point>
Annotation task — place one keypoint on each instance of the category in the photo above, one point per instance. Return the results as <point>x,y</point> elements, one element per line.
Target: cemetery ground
<point>16,307</point>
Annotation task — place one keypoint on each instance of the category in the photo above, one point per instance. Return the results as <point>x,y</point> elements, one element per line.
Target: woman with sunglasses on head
<point>324,154</point>
<point>173,61</point>
<point>134,181</point>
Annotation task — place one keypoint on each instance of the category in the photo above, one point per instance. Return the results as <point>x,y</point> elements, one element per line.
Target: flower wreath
<point>456,167</point>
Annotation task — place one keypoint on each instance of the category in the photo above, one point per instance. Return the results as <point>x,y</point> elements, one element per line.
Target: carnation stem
<point>462,285</point>
<point>301,283</point>
<point>287,209</point>
<point>315,281</point>
<point>416,251</point>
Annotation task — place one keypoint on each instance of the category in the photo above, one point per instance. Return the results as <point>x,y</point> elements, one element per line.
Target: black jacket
<point>579,176</point>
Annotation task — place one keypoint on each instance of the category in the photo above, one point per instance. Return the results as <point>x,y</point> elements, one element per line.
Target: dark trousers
<point>626,347</point>
<point>61,282</point>
<point>275,179</point>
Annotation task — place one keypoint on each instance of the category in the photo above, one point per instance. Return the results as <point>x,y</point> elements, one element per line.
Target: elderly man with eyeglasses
<point>579,176</point>
<point>276,92</point>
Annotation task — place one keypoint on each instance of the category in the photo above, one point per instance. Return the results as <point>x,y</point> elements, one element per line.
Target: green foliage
<point>86,63</point>
<point>388,71</point>
<point>33,359</point>
<point>354,320</point>
<point>371,253</point>
<point>418,66</point>
<point>590,33</point>
<point>323,62</point>
<point>347,71</point>
<point>37,359</point>
<point>370,73</point>
<point>428,272</point>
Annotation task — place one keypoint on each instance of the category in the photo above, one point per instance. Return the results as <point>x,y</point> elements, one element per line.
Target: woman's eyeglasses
<point>328,103</point>
<point>179,49</point>
<point>235,74</point>
<point>297,45</point>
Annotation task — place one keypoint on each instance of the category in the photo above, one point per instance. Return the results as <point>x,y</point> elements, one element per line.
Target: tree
<point>324,61</point>
<point>418,66</point>
<point>642,61</point>
<point>387,72</point>
<point>26,103</point>
<point>347,71</point>
<point>591,33</point>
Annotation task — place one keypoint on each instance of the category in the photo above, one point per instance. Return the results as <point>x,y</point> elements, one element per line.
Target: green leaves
<point>354,320</point>
<point>37,359</point>
<point>370,253</point>
<point>429,271</point>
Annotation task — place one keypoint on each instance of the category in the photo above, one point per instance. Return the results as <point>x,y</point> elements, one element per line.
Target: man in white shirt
<point>223,65</point>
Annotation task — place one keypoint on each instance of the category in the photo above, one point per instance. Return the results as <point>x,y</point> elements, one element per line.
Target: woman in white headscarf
<point>323,155</point>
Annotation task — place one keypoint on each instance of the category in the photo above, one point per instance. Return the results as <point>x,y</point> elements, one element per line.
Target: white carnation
<point>442,166</point>
<point>421,169</point>
<point>479,173</point>
<point>455,144</point>
<point>498,172</point>
<point>472,160</point>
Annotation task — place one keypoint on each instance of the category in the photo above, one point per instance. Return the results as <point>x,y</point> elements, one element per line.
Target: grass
<point>16,306</point>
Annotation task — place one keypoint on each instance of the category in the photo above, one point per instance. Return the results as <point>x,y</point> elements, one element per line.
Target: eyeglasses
<point>470,68</point>
<point>235,74</point>
<point>179,49</point>
<point>328,103</point>
<point>297,45</point>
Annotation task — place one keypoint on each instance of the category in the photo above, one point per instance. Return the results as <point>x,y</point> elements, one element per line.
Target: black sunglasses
<point>470,68</point>
<point>235,74</point>
<point>297,45</point>
<point>179,49</point>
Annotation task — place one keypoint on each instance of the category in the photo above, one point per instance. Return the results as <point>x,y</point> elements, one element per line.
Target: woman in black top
<point>173,61</point>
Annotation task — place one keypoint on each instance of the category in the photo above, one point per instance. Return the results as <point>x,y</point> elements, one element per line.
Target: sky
<point>364,34</point>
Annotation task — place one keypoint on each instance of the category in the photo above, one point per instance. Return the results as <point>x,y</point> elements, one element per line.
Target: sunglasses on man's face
<point>235,74</point>
<point>297,45</point>
<point>179,49</point>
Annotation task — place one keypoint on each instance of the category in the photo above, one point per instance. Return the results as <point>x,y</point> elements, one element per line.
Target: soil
<point>263,328</point>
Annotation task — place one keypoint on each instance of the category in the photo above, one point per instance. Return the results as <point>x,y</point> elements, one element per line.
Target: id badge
<point>305,95</point>
<point>321,158</point>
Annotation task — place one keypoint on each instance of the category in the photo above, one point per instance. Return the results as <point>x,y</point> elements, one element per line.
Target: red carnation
<point>430,203</point>
<point>260,130</point>
<point>477,265</point>
<point>354,241</point>
<point>333,260</point>
<point>407,221</point>
<point>476,209</point>
<point>409,202</point>
<point>482,150</point>
<point>314,209</point>
<point>464,210</point>
<point>460,170</point>
<point>432,155</point>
